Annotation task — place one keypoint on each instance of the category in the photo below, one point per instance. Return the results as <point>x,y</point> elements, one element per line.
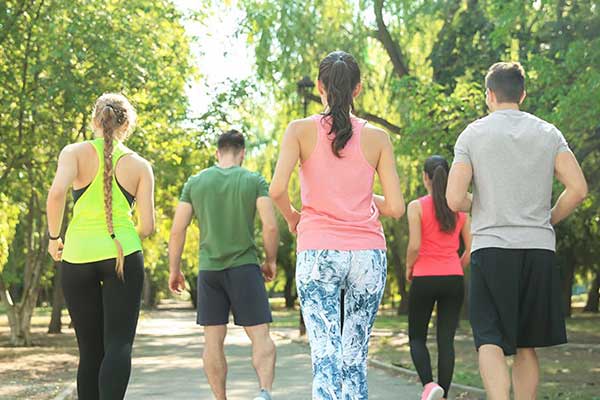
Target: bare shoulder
<point>414,207</point>
<point>300,127</point>
<point>136,162</point>
<point>79,151</point>
<point>375,134</point>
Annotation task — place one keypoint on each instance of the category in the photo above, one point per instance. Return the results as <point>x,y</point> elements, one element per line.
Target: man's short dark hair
<point>507,81</point>
<point>231,140</point>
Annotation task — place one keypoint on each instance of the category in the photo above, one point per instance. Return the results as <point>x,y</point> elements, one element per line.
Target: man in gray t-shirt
<point>511,158</point>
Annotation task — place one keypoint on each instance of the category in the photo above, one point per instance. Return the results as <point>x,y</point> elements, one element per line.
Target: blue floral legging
<point>339,360</point>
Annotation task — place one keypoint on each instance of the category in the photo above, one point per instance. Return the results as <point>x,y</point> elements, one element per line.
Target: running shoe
<point>431,391</point>
<point>265,395</point>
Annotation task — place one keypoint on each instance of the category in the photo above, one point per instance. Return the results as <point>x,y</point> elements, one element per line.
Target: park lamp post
<point>305,86</point>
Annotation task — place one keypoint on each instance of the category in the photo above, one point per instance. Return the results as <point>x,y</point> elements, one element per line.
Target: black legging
<point>104,311</point>
<point>448,293</point>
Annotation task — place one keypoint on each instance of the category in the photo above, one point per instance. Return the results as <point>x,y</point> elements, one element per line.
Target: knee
<point>417,342</point>
<point>119,353</point>
<point>263,346</point>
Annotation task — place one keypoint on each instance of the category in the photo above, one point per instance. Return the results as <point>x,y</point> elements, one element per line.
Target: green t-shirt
<point>224,202</point>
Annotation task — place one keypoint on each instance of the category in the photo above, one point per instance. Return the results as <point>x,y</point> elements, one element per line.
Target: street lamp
<point>305,86</point>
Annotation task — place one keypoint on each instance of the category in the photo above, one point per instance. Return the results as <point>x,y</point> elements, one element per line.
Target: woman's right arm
<point>66,172</point>
<point>289,155</point>
<point>414,236</point>
<point>465,259</point>
<point>145,200</point>
<point>391,204</point>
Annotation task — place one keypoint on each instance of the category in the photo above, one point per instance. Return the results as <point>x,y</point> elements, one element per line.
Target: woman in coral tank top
<point>436,272</point>
<point>340,239</point>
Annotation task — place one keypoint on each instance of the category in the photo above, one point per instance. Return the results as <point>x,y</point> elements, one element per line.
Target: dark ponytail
<point>339,73</point>
<point>436,168</point>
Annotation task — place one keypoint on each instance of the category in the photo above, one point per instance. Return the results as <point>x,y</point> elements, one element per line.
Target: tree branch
<point>366,115</point>
<point>391,47</point>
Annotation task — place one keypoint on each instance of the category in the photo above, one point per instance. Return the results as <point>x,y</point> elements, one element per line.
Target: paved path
<point>167,364</point>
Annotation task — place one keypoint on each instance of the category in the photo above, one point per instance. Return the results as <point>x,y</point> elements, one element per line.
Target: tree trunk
<point>149,292</point>
<point>593,301</point>
<point>58,302</point>
<point>567,285</point>
<point>192,289</point>
<point>20,313</point>
<point>288,292</point>
<point>400,270</point>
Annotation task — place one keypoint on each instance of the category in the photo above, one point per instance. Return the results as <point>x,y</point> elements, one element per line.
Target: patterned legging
<point>339,360</point>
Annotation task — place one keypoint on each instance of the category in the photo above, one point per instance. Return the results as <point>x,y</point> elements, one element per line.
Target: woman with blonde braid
<point>102,263</point>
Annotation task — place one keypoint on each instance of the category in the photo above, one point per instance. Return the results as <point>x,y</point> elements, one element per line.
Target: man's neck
<point>506,106</point>
<point>227,164</point>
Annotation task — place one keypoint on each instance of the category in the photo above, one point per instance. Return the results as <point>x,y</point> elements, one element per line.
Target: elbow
<point>453,203</point>
<point>147,231</point>
<point>397,211</point>
<point>55,195</point>
<point>581,193</point>
<point>276,192</point>
<point>270,229</point>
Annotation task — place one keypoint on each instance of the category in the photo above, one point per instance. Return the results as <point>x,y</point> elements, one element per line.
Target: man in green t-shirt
<point>224,198</point>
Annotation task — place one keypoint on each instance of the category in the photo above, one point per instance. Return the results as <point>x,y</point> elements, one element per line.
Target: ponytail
<point>437,170</point>
<point>339,73</point>
<point>111,118</point>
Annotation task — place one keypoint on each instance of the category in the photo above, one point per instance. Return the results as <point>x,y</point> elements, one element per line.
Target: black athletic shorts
<point>239,289</point>
<point>516,299</point>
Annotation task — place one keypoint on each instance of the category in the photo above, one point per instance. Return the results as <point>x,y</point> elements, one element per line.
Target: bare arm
<point>465,259</point>
<point>145,201</point>
<point>457,192</point>
<point>66,172</point>
<point>270,233</point>
<point>414,236</point>
<point>288,158</point>
<point>181,221</point>
<point>391,204</point>
<point>568,172</point>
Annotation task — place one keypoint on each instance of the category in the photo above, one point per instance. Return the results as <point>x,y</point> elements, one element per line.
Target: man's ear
<point>523,96</point>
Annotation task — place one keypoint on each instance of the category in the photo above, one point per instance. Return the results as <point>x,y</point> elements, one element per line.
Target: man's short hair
<point>231,140</point>
<point>507,81</point>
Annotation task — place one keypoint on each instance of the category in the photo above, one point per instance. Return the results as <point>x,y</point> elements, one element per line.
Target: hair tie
<point>112,236</point>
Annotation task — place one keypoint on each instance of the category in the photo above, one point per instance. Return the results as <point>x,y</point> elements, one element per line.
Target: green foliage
<point>9,214</point>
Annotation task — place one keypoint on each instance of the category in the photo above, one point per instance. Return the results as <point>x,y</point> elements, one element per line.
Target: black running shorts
<point>239,289</point>
<point>516,299</point>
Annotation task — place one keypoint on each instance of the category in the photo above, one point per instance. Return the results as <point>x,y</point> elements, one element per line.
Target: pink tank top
<point>438,255</point>
<point>338,211</point>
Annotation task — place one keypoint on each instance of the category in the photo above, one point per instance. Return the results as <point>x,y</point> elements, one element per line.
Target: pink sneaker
<point>432,391</point>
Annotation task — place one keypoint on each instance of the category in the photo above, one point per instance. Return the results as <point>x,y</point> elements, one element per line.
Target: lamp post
<point>305,86</point>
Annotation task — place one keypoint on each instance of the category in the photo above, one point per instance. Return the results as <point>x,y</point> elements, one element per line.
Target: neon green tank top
<point>87,238</point>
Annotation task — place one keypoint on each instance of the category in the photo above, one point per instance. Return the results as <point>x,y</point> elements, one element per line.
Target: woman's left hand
<point>55,248</point>
<point>409,274</point>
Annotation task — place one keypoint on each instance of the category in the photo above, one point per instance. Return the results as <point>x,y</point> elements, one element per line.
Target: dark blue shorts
<point>239,289</point>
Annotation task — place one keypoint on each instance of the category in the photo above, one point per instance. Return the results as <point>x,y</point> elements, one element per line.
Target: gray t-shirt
<point>512,154</point>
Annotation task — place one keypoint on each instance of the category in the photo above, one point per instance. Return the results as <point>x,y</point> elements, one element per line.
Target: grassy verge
<point>39,372</point>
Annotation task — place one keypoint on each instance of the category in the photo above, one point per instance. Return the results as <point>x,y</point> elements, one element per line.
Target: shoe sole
<point>436,394</point>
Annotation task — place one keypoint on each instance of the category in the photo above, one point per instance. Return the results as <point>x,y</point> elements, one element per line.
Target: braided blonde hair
<point>114,117</point>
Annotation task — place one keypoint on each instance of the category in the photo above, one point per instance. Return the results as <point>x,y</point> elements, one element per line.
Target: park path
<point>167,364</point>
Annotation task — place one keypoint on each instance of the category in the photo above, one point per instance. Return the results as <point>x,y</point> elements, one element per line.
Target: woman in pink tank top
<point>436,272</point>
<point>340,239</point>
